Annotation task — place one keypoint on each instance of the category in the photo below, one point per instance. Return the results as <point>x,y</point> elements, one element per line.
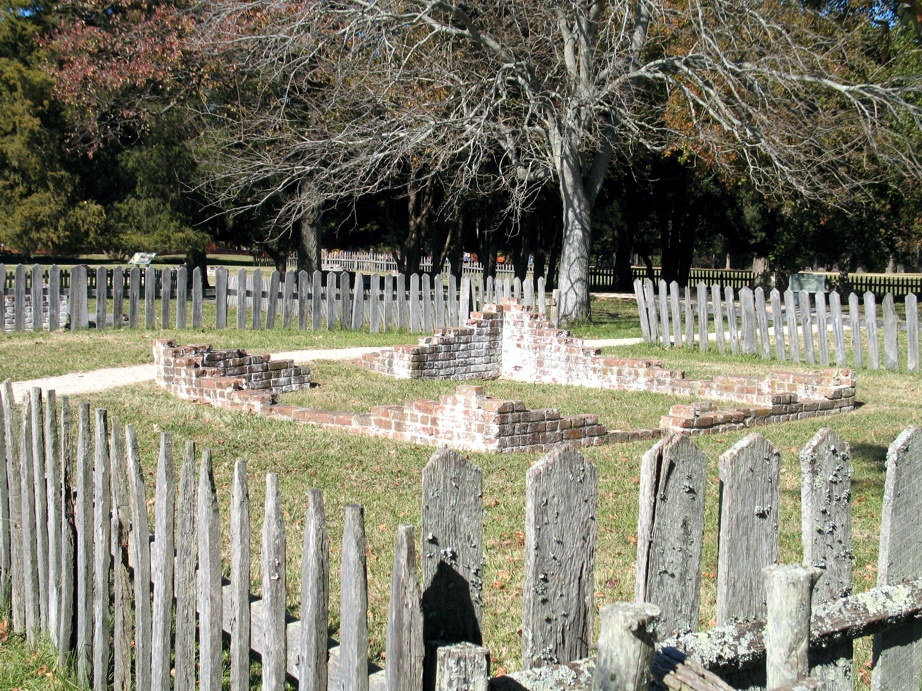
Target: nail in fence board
<point>162,567</point>
<point>118,296</point>
<point>315,596</point>
<point>37,298</point>
<point>100,297</point>
<point>405,650</point>
<point>897,651</point>
<point>150,295</point>
<point>186,559</point>
<point>750,496</point>
<point>912,333</point>
<point>54,297</point>
<point>702,317</point>
<point>272,299</point>
<point>561,493</point>
<point>825,466</point>
<point>762,319</point>
<point>210,597</point>
<point>84,515</point>
<point>166,290</point>
<point>242,299</point>
<point>452,549</point>
<point>870,318</point>
<point>101,557</point>
<point>257,301</point>
<point>353,648</point>
<point>673,479</point>
<point>718,319</point>
<point>240,580</point>
<point>822,329</point>
<point>220,296</point>
<point>732,324</point>
<point>838,327</point>
<point>854,319</point>
<point>140,545</point>
<point>806,326</point>
<point>197,296</point>
<point>891,330</point>
<point>182,296</point>
<point>273,591</point>
<point>790,315</point>
<point>748,319</point>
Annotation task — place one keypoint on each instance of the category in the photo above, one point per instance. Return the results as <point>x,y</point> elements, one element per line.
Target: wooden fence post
<point>750,498</point>
<point>462,666</point>
<point>6,522</point>
<point>162,567</point>
<point>36,297</point>
<point>854,318</point>
<point>912,333</point>
<point>626,646</point>
<point>100,297</point>
<point>274,655</point>
<point>198,295</point>
<point>240,580</point>
<point>19,299</point>
<point>677,332</point>
<point>649,295</point>
<point>118,296</point>
<point>415,316</point>
<point>220,297</point>
<point>11,436</point>
<point>52,453</point>
<point>315,596</point>
<point>272,299</point>
<point>358,303</point>
<point>405,648</point>
<point>305,297</point>
<point>166,291</point>
<point>67,585</point>
<point>54,297</point>
<point>561,493</point>
<point>241,299</point>
<point>790,315</point>
<point>806,326</point>
<point>748,318</point>
<point>101,557</point>
<point>664,312</point>
<point>32,598</point>
<point>182,296</point>
<point>898,652</point>
<point>673,479</point>
<point>210,596</point>
<point>84,514</point>
<point>827,529</point>
<point>732,323</point>
<point>762,318</point>
<point>345,294</point>
<point>374,304</point>
<point>718,319</point>
<point>40,502</point>
<point>778,324</point>
<point>353,645</point>
<point>822,329</point>
<point>642,310</point>
<point>703,318</point>
<point>150,297</point>
<point>78,292</point>
<point>331,289</point>
<point>121,585</point>
<point>186,560</point>
<point>870,318</point>
<point>140,545</point>
<point>689,319</point>
<point>891,331</point>
<point>403,315</point>
<point>288,299</point>
<point>257,299</point>
<point>787,626</point>
<point>426,300</point>
<point>388,310</point>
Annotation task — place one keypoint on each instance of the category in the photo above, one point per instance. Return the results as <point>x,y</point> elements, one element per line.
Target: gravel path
<point>112,377</point>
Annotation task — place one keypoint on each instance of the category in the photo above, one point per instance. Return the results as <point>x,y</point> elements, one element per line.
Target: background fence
<point>116,298</point>
<point>77,564</point>
<point>800,325</point>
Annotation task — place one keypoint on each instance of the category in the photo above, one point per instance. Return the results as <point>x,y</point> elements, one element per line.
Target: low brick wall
<point>9,312</point>
<point>467,420</point>
<point>225,378</point>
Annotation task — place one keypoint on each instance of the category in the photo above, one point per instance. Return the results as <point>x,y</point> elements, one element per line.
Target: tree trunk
<point>573,276</point>
<point>308,229</point>
<point>197,258</point>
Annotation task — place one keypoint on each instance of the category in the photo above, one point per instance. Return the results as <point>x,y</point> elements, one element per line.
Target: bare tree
<point>517,95</point>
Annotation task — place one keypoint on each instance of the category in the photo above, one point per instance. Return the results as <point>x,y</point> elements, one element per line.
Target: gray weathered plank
<point>256,291</point>
<point>677,332</point>
<point>649,294</point>
<point>118,296</point>
<point>239,601</point>
<point>462,666</point>
<point>703,317</point>
<point>427,308</point>
<point>750,496</point>
<point>388,305</point>
<point>345,300</point>
<point>838,327</point>
<point>806,326</point>
<point>854,319</point>
<point>6,523</point>
<point>689,318</point>
<point>19,299</point>
<point>32,599</point>
<point>898,652</point>
<point>748,319</point>
<point>826,472</point>
<point>416,322</point>
<point>664,312</point>
<point>787,627</point>
<point>67,585</point>
<point>273,589</point>
<point>452,549</point>
<point>220,297</point>
<point>272,299</point>
<point>10,434</point>
<point>790,315</point>
<point>358,303</point>
<point>353,646</point>
<point>405,649</point>
<point>162,566</point>
<point>626,646</point>
<point>454,315</point>
<point>288,299</point>
<point>305,300</point>
<point>870,318</point>
<point>84,516</point>
<point>718,318</point>
<point>53,503</point>
<point>102,559</point>
<point>331,290</point>
<point>36,297</point>
<point>54,297</point>
<point>140,546</point>
<point>374,304</point>
<point>762,319</point>
<point>100,297</point>
<point>40,502</point>
<point>912,333</point>
<point>121,583</point>
<point>166,290</point>
<point>150,297</point>
<point>241,299</point>
<point>316,304</point>
<point>642,310</point>
<point>184,577</point>
<point>210,594</point>
<point>732,320</point>
<point>198,296</point>
<point>134,295</point>
<point>315,596</point>
<point>822,329</point>
<point>891,331</point>
<point>182,296</point>
<point>561,493</point>
<point>673,480</point>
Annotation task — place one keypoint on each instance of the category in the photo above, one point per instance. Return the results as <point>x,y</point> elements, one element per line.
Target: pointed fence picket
<point>800,324</point>
<point>115,584</point>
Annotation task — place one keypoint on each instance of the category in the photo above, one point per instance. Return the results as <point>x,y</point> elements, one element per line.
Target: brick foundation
<point>225,378</point>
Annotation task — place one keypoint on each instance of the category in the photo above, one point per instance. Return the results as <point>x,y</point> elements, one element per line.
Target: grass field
<point>385,476</point>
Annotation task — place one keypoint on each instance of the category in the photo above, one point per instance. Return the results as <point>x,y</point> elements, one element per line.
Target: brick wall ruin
<point>9,312</point>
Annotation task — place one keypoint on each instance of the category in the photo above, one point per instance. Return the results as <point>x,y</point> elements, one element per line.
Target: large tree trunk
<point>573,275</point>
<point>308,229</point>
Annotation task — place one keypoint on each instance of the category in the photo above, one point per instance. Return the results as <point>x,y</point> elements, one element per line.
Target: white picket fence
<point>813,328</point>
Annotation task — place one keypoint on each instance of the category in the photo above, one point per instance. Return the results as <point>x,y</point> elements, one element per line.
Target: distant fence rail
<point>813,328</point>
<point>78,565</point>
<point>167,298</point>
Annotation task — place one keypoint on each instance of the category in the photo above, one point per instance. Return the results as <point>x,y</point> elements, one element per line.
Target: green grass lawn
<point>385,476</point>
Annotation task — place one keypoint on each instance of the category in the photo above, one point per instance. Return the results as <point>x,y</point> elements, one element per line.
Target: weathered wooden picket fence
<point>795,326</point>
<point>79,564</point>
<point>295,300</point>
